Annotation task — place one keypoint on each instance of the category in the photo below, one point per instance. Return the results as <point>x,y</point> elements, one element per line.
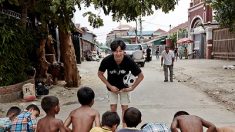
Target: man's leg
<point>124,100</point>
<point>171,73</point>
<point>124,108</point>
<point>113,99</point>
<point>165,68</point>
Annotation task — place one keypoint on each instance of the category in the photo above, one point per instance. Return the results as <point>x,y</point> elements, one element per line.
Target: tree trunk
<point>72,77</point>
<point>42,59</point>
<point>24,13</point>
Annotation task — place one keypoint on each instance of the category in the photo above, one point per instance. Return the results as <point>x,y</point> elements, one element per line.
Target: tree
<point>60,13</point>
<point>131,9</point>
<point>224,12</point>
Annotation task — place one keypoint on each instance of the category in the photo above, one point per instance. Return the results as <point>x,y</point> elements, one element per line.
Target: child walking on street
<point>83,117</point>
<point>6,122</point>
<point>50,104</point>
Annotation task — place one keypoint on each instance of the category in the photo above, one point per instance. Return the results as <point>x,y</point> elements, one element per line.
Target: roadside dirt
<point>210,77</point>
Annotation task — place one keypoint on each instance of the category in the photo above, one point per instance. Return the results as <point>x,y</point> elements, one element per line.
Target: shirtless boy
<point>50,104</point>
<point>83,117</point>
<point>190,123</point>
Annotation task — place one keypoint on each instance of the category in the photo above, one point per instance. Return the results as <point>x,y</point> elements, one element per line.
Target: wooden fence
<point>223,44</point>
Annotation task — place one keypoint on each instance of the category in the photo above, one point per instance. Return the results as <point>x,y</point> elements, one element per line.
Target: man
<point>190,123</point>
<point>148,52</point>
<point>168,59</point>
<point>118,65</point>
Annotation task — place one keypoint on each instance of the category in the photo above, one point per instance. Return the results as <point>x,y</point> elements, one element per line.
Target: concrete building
<point>201,23</point>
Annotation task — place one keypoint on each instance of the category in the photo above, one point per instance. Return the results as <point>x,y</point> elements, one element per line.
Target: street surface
<point>158,100</point>
<point>201,87</point>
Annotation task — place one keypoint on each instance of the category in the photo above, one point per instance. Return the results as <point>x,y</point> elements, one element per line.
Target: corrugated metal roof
<point>144,33</point>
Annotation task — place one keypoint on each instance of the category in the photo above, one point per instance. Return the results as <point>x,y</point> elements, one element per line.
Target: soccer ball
<point>129,79</point>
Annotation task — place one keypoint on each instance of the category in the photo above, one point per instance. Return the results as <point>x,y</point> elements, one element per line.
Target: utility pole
<point>141,35</point>
<point>136,31</point>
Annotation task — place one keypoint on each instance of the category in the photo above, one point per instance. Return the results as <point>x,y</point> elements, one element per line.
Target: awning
<point>184,40</point>
<point>160,41</point>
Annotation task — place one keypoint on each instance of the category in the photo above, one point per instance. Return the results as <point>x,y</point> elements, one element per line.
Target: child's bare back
<point>50,124</point>
<point>82,119</point>
<point>190,123</point>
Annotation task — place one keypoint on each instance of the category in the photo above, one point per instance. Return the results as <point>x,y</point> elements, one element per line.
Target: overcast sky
<point>150,23</point>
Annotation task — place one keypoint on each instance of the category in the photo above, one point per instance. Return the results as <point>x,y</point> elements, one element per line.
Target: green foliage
<point>95,21</point>
<point>15,43</point>
<point>13,2</point>
<point>173,38</point>
<point>224,14</point>
<point>131,9</point>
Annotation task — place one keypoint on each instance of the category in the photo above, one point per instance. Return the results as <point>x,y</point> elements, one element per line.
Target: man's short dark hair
<point>116,43</point>
<point>85,95</point>
<point>49,102</point>
<point>110,118</point>
<point>15,110</point>
<point>34,107</point>
<point>132,117</point>
<point>179,113</point>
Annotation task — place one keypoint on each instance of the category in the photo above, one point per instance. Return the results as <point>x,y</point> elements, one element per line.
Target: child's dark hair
<point>49,102</point>
<point>132,117</point>
<point>34,107</point>
<point>114,45</point>
<point>85,95</point>
<point>179,113</point>
<point>14,109</point>
<point>110,118</point>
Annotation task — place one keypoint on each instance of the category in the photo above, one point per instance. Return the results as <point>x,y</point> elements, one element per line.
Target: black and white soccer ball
<point>129,79</point>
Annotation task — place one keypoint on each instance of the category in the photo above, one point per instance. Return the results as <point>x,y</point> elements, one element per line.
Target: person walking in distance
<point>157,53</point>
<point>167,61</point>
<point>118,65</point>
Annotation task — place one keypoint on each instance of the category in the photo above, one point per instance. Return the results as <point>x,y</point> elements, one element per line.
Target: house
<point>200,17</point>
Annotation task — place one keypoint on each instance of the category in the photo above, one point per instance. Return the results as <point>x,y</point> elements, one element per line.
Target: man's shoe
<point>171,80</point>
<point>165,80</point>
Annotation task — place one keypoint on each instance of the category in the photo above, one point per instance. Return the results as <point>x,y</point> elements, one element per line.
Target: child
<point>26,121</point>
<point>110,122</point>
<point>50,104</point>
<point>190,123</point>
<point>5,123</point>
<point>83,117</point>
<point>132,118</point>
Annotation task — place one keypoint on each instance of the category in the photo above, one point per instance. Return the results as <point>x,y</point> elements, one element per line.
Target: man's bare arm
<point>105,81</point>
<point>174,125</point>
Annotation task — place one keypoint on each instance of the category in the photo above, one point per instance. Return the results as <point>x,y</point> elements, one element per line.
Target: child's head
<point>13,112</point>
<point>86,96</point>
<point>132,117</point>
<point>179,113</point>
<point>50,103</point>
<point>111,120</point>
<point>32,108</point>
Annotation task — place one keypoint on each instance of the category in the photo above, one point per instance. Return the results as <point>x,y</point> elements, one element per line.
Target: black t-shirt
<point>117,72</point>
